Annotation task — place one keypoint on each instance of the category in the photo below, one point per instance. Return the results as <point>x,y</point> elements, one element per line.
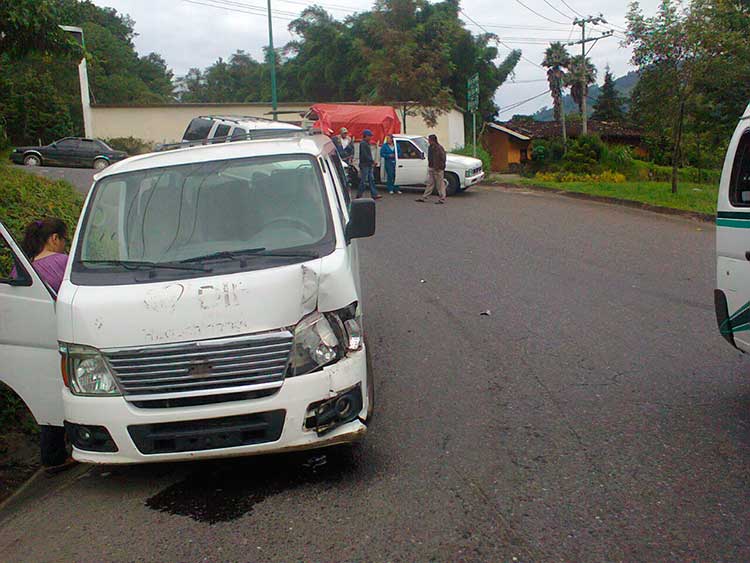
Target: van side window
<point>10,268</point>
<point>222,131</point>
<point>739,187</point>
<point>198,129</point>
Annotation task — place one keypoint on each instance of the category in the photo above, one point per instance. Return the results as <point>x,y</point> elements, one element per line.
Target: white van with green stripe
<point>732,296</point>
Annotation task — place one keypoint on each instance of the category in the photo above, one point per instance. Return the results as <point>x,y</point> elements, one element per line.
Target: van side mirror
<point>361,219</point>
<point>421,155</point>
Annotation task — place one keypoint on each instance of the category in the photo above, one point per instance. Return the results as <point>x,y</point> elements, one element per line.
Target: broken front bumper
<point>296,417</point>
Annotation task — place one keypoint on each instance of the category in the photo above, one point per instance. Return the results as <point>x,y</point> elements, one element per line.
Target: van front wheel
<point>453,185</point>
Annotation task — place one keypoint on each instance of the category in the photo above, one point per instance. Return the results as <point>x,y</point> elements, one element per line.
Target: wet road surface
<point>595,414</point>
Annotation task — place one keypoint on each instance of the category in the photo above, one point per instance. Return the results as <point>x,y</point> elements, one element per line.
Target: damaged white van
<point>732,294</point>
<point>211,307</point>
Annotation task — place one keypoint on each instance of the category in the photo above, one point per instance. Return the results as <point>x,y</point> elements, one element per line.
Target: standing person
<point>388,156</point>
<point>366,162</point>
<point>436,171</point>
<point>344,145</point>
<point>44,244</point>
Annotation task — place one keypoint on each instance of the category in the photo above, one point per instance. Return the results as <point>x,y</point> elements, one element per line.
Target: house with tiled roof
<point>509,143</point>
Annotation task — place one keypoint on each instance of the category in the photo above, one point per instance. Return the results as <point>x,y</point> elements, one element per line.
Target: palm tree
<point>556,59</point>
<point>579,78</point>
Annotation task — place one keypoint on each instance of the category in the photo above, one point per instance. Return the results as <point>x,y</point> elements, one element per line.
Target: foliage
<point>655,173</point>
<point>608,106</point>
<point>14,413</point>
<point>130,145</point>
<point>606,176</point>
<point>584,155</point>
<point>556,59</point>
<point>482,155</point>
<point>617,157</point>
<point>26,197</point>
<point>581,74</point>
<point>402,50</point>
<point>40,92</point>
<point>547,152</point>
<point>694,61</point>
<point>700,198</point>
<point>32,25</point>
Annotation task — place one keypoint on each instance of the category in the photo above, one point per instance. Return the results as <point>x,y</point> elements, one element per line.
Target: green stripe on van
<point>733,215</point>
<point>736,223</point>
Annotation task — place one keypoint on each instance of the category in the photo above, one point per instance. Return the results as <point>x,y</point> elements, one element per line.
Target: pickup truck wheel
<point>100,163</point>
<point>452,184</point>
<point>32,160</point>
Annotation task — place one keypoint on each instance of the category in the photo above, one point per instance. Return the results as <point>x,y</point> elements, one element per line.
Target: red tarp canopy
<point>381,120</point>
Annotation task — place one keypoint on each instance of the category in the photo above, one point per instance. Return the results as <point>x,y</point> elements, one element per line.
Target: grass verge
<point>700,198</point>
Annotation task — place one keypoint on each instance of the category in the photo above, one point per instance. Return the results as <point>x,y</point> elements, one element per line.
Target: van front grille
<point>204,367</point>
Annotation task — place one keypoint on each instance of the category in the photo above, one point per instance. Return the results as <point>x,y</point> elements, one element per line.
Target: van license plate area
<point>208,434</point>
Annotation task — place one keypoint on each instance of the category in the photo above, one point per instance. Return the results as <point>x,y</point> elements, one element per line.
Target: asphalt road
<point>594,415</point>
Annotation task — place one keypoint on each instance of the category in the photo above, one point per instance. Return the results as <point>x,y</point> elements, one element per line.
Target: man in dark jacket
<point>435,171</point>
<point>366,162</point>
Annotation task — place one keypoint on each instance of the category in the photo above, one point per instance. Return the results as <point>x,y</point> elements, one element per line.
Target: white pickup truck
<point>461,172</point>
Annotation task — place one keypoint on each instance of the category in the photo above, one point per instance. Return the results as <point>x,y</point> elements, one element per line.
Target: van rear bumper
<point>276,423</point>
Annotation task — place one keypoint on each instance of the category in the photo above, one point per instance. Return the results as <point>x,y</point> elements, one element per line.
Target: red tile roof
<point>552,129</point>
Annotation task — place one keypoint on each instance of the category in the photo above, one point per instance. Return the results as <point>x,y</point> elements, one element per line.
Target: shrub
<point>130,145</point>
<point>562,176</point>
<point>482,155</point>
<point>546,152</point>
<point>25,198</point>
<point>584,155</point>
<point>648,171</point>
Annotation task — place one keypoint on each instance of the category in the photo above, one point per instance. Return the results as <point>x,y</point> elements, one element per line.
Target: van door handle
<point>401,166</point>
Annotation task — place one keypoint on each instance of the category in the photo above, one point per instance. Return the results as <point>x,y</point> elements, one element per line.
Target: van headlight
<point>323,339</point>
<point>86,372</point>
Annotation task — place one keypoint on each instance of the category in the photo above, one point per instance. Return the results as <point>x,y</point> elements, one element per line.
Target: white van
<point>211,307</point>
<point>732,296</point>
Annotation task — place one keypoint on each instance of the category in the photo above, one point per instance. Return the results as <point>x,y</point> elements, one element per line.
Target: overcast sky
<point>188,33</point>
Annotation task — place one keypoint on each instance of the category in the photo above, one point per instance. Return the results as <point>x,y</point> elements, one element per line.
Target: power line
<point>540,15</point>
<point>572,9</point>
<point>247,9</point>
<point>515,105</point>
<point>563,14</point>
<point>497,38</point>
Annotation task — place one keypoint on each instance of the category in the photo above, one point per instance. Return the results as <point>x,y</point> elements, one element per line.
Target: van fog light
<point>324,416</point>
<point>90,438</point>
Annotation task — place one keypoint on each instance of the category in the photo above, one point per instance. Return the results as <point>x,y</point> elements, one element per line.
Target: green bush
<point>26,197</point>
<point>130,145</point>
<point>655,173</point>
<point>482,155</point>
<point>584,155</point>
<point>545,152</point>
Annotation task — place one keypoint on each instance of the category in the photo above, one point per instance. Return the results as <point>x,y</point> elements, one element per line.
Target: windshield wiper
<point>240,254</point>
<point>142,265</point>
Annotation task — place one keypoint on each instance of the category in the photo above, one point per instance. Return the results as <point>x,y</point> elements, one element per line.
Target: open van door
<point>29,358</point>
<point>733,240</point>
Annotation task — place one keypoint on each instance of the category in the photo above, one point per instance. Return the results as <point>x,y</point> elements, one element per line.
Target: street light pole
<point>83,80</point>
<point>272,62</point>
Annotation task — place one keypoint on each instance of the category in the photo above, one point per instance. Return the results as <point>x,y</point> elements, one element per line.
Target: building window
<point>524,155</point>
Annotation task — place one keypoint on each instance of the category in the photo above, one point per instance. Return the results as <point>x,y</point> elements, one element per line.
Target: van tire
<point>453,184</point>
<point>52,445</point>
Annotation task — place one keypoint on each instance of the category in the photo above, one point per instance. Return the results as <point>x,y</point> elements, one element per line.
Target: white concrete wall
<point>167,123</point>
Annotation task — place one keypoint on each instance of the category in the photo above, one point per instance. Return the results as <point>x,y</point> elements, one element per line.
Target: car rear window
<point>198,129</point>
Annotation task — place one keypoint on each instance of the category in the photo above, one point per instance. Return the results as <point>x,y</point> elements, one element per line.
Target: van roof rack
<point>236,118</point>
<point>256,134</point>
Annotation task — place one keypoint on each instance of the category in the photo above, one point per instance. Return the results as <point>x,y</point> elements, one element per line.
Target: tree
<point>581,74</point>
<point>28,26</point>
<point>556,59</point>
<point>667,55</point>
<point>608,106</point>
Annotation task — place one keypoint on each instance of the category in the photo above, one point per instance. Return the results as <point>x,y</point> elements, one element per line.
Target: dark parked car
<point>70,151</point>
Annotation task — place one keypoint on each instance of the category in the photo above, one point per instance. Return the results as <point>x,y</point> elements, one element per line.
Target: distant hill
<point>624,85</point>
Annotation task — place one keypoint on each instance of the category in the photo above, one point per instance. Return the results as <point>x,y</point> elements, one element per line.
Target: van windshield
<point>184,213</point>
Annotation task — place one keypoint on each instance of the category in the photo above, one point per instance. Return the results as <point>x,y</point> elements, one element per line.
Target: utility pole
<point>272,62</point>
<point>582,22</point>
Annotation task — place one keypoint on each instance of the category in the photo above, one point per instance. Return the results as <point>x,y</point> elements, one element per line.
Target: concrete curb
<point>706,217</point>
